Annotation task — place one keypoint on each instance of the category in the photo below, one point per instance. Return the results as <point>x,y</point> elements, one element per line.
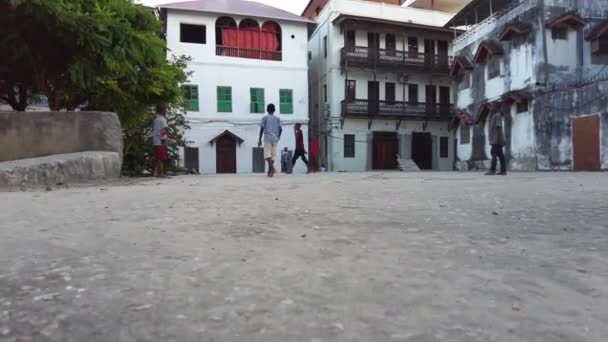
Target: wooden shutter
<point>191,96</point>
<point>257,100</point>
<point>224,99</point>
<point>286,101</point>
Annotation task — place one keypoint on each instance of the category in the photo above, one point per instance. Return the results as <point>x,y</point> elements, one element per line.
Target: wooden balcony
<point>366,57</point>
<point>229,51</point>
<point>396,110</point>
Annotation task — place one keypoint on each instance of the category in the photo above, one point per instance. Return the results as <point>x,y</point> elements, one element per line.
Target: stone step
<point>407,165</point>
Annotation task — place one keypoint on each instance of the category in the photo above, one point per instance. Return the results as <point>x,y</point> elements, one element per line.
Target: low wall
<point>38,134</point>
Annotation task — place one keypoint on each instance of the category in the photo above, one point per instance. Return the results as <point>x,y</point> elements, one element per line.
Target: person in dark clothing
<point>300,151</point>
<point>497,141</point>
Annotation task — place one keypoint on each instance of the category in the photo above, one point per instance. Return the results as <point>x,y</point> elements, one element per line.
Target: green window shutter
<point>224,99</point>
<point>257,100</point>
<point>286,101</point>
<point>191,96</point>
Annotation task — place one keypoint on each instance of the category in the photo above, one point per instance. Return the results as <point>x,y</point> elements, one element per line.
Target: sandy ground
<point>329,257</point>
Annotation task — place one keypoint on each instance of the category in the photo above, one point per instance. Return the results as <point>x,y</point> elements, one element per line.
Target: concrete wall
<point>37,134</point>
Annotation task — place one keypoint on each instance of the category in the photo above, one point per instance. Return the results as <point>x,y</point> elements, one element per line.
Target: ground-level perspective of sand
<point>326,257</point>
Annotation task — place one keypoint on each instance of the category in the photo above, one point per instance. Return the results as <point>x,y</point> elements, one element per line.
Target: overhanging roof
<point>460,116</point>
<point>448,6</point>
<point>343,17</point>
<point>486,49</point>
<point>236,7</point>
<point>460,63</point>
<point>568,19</point>
<point>485,109</point>
<point>476,11</point>
<point>598,30</point>
<point>229,134</point>
<point>515,29</point>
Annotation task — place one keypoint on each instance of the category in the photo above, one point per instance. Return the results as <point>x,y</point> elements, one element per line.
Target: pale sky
<point>295,6</point>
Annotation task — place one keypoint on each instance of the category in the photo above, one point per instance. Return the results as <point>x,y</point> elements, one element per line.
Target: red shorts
<point>160,152</point>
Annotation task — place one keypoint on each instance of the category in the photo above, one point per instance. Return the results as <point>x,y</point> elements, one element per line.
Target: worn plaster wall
<point>553,113</point>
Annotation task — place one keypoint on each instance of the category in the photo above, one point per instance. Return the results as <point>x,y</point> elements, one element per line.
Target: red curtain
<point>230,37</point>
<point>269,38</point>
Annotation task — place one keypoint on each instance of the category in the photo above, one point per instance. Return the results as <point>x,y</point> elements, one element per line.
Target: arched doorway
<point>225,152</point>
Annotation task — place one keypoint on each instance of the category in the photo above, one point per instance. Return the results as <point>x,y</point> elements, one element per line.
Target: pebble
<point>287,301</point>
<point>5,331</point>
<point>142,307</point>
<point>46,297</point>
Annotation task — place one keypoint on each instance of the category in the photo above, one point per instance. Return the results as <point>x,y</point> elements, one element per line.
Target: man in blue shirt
<point>270,129</point>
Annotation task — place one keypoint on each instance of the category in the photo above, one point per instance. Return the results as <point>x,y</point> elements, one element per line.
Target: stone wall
<point>38,134</point>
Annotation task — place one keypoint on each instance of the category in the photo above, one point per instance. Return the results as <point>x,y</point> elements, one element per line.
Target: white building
<point>379,84</point>
<point>245,55</point>
<point>542,63</point>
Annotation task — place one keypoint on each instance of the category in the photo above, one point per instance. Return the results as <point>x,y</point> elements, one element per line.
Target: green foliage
<point>106,55</point>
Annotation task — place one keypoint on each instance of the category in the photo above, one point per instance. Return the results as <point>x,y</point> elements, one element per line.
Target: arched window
<point>270,41</point>
<point>249,39</point>
<point>226,37</point>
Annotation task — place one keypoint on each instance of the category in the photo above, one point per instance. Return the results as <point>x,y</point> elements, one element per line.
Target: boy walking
<point>497,141</point>
<point>300,151</point>
<point>270,129</point>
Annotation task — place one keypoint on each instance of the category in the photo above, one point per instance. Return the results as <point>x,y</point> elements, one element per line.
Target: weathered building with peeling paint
<point>544,64</point>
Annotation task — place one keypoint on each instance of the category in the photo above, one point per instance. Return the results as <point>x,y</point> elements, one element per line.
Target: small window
<point>523,107</point>
<point>224,99</point>
<point>325,47</point>
<point>493,68</point>
<point>196,34</point>
<point>325,93</point>
<point>191,97</point>
<point>465,135</point>
<point>559,33</point>
<point>443,147</point>
<point>257,100</point>
<point>286,101</point>
<point>351,90</point>
<point>349,146</point>
<point>465,83</point>
<point>309,56</point>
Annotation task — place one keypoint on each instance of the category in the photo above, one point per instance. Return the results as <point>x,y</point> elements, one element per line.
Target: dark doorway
<point>431,100</point>
<point>444,101</point>
<point>225,150</point>
<point>586,143</point>
<point>389,93</point>
<point>191,159</point>
<point>442,53</point>
<point>391,44</point>
<point>385,151</point>
<point>373,43</point>
<point>373,97</point>
<point>412,92</point>
<point>412,47</point>
<point>422,150</point>
<point>429,52</point>
<point>350,41</point>
<point>351,90</point>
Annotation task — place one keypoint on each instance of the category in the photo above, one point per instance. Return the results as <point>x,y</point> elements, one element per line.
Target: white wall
<point>464,150</point>
<point>360,129</point>
<point>202,133</point>
<point>522,138</point>
<point>562,52</point>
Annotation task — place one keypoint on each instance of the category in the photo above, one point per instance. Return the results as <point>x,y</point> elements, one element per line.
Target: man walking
<point>159,139</point>
<point>497,141</point>
<point>270,129</point>
<point>300,151</point>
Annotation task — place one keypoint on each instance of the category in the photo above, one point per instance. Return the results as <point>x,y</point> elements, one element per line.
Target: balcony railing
<point>397,109</point>
<point>230,51</point>
<point>359,55</point>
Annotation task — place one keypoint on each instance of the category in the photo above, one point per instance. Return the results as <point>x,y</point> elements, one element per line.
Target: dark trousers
<point>498,154</point>
<point>299,154</point>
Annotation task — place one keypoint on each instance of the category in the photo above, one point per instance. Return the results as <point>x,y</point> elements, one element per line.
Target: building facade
<point>542,64</point>
<point>379,85</point>
<point>245,55</point>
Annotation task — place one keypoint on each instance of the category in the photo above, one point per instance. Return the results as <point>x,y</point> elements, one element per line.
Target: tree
<point>106,55</point>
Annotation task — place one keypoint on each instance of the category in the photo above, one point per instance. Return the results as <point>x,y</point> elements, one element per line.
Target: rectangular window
<point>493,68</point>
<point>286,101</point>
<point>465,135</point>
<point>351,90</point>
<point>389,92</point>
<point>465,83</point>
<point>559,33</point>
<point>224,99</point>
<point>325,47</point>
<point>443,147</point>
<point>412,91</point>
<point>257,100</point>
<point>349,146</point>
<point>522,107</point>
<point>196,34</point>
<point>191,97</point>
<point>325,93</point>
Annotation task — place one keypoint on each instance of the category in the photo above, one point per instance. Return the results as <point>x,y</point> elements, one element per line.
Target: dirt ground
<point>328,257</point>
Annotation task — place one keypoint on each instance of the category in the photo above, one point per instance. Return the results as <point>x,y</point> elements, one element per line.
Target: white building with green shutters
<point>245,55</point>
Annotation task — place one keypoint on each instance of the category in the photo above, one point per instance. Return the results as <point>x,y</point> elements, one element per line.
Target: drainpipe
<point>545,72</point>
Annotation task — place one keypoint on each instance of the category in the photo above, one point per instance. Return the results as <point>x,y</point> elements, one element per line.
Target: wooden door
<point>373,43</point>
<point>586,143</point>
<point>412,47</point>
<point>385,151</point>
<point>429,52</point>
<point>431,99</point>
<point>442,53</point>
<point>225,155</point>
<point>444,100</point>
<point>422,150</point>
<point>391,44</point>
<point>373,97</point>
<point>350,41</point>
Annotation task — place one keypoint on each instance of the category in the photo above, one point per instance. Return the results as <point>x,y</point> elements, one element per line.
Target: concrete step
<point>407,165</point>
